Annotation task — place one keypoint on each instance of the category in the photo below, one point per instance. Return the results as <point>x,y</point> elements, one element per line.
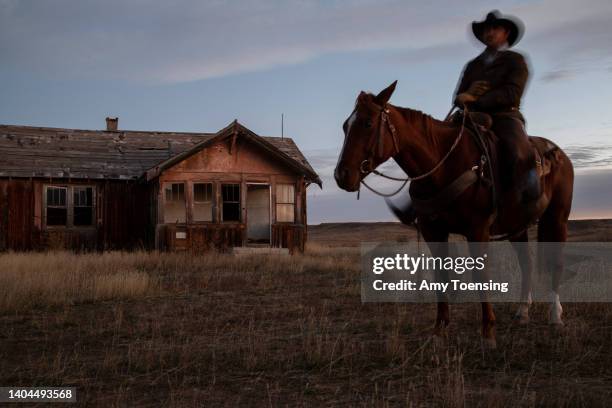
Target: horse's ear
<point>384,95</point>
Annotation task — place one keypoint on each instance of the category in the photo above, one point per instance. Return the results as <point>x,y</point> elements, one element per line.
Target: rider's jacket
<point>507,74</point>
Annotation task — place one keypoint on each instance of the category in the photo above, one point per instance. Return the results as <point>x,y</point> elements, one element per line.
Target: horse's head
<point>365,145</point>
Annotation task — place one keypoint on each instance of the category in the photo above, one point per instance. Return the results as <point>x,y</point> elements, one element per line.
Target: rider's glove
<point>478,88</point>
<point>464,98</point>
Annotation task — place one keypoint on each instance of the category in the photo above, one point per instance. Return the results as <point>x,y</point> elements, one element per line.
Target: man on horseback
<point>453,201</point>
<point>493,83</point>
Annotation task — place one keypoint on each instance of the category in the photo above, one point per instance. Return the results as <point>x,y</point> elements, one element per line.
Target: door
<point>258,213</point>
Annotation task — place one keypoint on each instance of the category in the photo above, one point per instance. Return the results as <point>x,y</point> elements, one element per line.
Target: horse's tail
<point>404,212</point>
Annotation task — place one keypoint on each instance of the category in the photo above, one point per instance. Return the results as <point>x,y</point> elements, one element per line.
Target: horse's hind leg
<point>519,243</point>
<point>552,230</point>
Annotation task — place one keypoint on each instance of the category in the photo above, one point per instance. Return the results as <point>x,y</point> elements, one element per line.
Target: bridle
<point>379,137</point>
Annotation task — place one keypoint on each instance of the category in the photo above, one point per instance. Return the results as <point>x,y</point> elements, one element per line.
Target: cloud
<point>553,76</point>
<point>188,40</point>
<point>590,156</point>
<point>574,39</point>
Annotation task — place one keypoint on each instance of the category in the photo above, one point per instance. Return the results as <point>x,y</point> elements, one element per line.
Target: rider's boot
<point>523,187</point>
<point>531,188</point>
<point>531,194</point>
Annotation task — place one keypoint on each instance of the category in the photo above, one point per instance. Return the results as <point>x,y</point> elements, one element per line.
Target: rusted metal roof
<point>28,151</point>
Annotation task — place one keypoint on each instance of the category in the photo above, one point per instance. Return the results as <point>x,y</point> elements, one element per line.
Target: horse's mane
<point>427,122</point>
<point>415,116</point>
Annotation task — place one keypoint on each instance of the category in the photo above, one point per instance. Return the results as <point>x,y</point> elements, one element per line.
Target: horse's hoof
<point>489,343</point>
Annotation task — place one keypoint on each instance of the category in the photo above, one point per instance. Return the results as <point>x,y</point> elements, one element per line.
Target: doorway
<point>258,213</point>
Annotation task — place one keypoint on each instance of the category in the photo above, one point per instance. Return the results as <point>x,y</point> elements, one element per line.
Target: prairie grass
<point>180,329</point>
<point>30,280</point>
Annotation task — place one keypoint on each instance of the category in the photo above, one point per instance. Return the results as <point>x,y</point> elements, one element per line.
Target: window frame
<point>74,206</point>
<point>222,201</point>
<point>277,203</point>
<point>165,201</point>
<point>69,206</point>
<point>213,203</point>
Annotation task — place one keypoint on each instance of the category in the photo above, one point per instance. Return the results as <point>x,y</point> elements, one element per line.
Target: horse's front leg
<point>521,248</point>
<point>479,243</point>
<point>437,241</point>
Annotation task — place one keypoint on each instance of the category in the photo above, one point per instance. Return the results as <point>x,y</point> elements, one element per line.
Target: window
<point>231,202</point>
<point>69,206</point>
<point>285,203</point>
<point>174,206</point>
<point>57,207</point>
<point>83,205</point>
<point>202,201</point>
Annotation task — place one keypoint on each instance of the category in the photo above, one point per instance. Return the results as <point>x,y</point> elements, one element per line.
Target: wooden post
<point>189,201</point>
<point>159,230</point>
<point>243,206</point>
<point>304,213</point>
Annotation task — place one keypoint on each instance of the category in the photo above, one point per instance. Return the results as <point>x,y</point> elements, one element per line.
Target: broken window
<point>57,206</point>
<point>285,203</point>
<point>174,206</point>
<point>69,206</point>
<point>83,205</point>
<point>231,202</point>
<point>202,201</point>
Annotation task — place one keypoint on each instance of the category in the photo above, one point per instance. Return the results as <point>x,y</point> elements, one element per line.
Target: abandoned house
<point>114,189</point>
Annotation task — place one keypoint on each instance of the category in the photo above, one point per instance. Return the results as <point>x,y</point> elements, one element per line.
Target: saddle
<point>481,122</point>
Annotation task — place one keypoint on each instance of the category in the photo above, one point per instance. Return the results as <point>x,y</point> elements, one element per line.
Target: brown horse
<point>434,155</point>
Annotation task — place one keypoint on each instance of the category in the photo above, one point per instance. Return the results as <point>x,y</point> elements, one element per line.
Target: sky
<point>193,65</point>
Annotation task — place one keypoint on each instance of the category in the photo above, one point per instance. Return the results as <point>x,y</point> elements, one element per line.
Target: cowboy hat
<point>495,18</point>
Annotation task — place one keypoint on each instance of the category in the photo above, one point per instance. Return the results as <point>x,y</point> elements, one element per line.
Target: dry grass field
<point>151,329</point>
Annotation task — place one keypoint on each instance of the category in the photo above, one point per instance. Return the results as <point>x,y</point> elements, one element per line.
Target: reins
<point>385,120</point>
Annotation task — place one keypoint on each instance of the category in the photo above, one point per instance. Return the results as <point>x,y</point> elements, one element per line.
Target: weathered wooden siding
<point>121,217</point>
<point>17,229</point>
<point>201,238</point>
<point>222,163</point>
<point>291,236</point>
<point>125,215</point>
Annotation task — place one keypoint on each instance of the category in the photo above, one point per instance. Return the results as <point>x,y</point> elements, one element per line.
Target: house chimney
<point>112,124</point>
